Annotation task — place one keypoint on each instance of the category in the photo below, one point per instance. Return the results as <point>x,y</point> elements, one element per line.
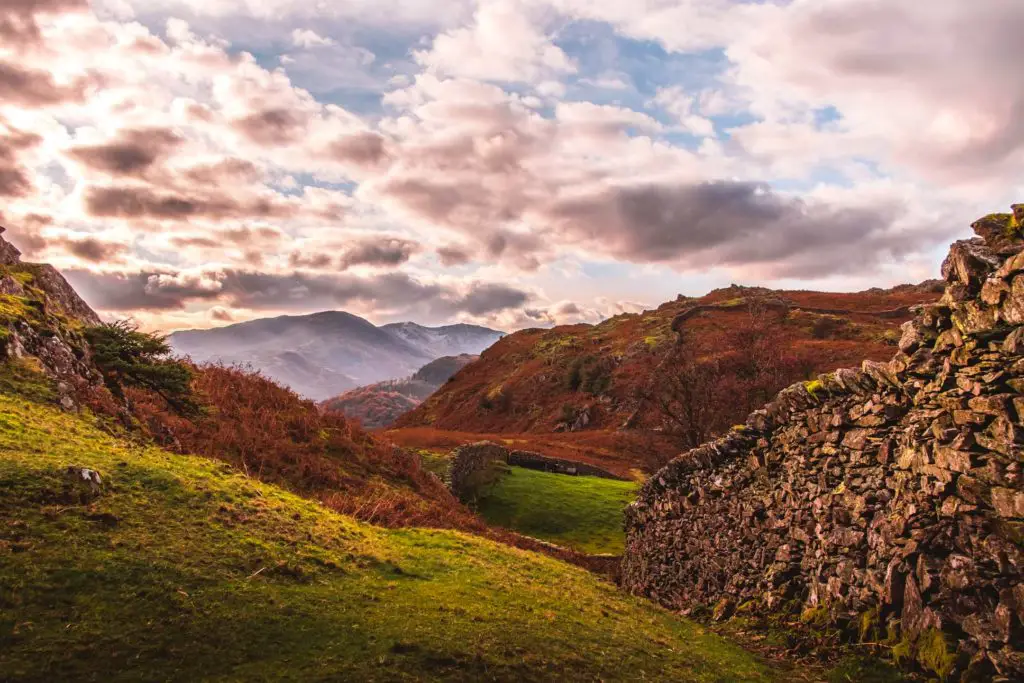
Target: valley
<point>243,530</point>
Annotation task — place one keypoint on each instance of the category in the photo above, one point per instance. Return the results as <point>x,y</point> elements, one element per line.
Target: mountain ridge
<point>323,354</point>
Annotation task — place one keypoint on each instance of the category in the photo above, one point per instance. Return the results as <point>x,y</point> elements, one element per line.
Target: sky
<point>512,163</point>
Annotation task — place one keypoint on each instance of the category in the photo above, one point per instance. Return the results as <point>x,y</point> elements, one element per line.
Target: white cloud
<point>304,37</point>
<point>686,109</point>
<point>504,42</point>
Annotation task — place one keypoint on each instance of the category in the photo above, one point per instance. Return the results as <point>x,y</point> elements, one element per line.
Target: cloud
<point>18,24</point>
<point>382,251</point>
<point>308,38</point>
<point>484,298</point>
<point>936,87</point>
<point>131,154</point>
<point>733,223</point>
<point>34,87</point>
<point>92,249</point>
<point>264,291</point>
<point>273,126</point>
<point>364,149</point>
<point>143,202</point>
<point>221,314</point>
<point>601,120</point>
<point>454,256</point>
<point>15,178</point>
<point>503,43</point>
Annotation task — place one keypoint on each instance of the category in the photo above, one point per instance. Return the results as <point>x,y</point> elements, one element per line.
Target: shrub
<point>127,357</point>
<point>270,433</point>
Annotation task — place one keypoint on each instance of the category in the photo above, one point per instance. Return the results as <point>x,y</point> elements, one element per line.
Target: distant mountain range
<point>324,354</point>
<point>380,404</point>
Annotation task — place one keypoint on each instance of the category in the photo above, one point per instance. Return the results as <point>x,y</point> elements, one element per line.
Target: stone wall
<point>536,461</point>
<point>888,501</point>
<point>473,467</point>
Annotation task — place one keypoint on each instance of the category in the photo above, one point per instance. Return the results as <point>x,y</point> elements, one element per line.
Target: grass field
<point>583,513</point>
<point>182,569</point>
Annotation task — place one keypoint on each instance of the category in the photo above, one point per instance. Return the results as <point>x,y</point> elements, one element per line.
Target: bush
<point>127,358</point>
<point>575,376</point>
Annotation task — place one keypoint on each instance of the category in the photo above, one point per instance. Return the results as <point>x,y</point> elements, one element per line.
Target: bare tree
<point>707,383</point>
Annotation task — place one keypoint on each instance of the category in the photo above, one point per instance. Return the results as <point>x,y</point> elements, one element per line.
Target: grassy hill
<point>181,568</point>
<point>582,513</point>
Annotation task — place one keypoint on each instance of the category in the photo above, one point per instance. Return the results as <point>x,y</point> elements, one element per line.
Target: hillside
<point>595,377</point>
<point>181,568</point>
<point>380,404</point>
<point>323,354</point>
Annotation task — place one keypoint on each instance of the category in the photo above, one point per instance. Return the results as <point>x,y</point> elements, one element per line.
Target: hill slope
<point>588,376</point>
<point>323,354</point>
<point>179,568</point>
<point>380,404</point>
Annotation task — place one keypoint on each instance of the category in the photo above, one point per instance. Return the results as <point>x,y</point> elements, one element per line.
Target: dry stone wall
<point>888,500</point>
<point>474,466</point>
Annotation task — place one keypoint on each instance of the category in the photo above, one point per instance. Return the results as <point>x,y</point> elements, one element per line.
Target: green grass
<point>583,513</point>
<point>183,569</point>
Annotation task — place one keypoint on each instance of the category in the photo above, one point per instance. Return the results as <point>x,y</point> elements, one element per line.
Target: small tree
<point>127,357</point>
<point>701,389</point>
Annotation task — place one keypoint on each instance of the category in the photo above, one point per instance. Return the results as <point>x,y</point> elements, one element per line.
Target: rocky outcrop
<point>887,500</point>
<point>41,318</point>
<point>9,255</point>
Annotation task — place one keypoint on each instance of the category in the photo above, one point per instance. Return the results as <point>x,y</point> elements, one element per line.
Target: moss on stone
<point>813,387</point>
<point>867,624</point>
<point>15,308</point>
<point>934,653</point>
<point>816,616</point>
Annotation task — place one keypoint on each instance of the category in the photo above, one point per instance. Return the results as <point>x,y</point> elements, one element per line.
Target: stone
<point>1000,232</point>
<point>1008,503</point>
<point>974,317</point>
<point>1014,342</point>
<point>1012,310</point>
<point>952,459</point>
<point>1011,266</point>
<point>969,417</point>
<point>9,255</point>
<point>856,438</point>
<point>968,263</point>
<point>998,404</point>
<point>993,290</point>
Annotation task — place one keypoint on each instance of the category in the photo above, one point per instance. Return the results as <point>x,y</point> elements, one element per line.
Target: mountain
<point>601,377</point>
<point>380,404</point>
<point>323,354</point>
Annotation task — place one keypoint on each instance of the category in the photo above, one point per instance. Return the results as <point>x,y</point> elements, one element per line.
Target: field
<point>182,568</point>
<point>582,513</point>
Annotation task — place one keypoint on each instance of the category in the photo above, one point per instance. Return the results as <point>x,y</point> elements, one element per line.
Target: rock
<point>723,610</point>
<point>1012,310</point>
<point>1000,231</point>
<point>993,290</point>
<point>1014,342</point>
<point>952,459</point>
<point>9,255</point>
<point>969,263</point>
<point>1008,503</point>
